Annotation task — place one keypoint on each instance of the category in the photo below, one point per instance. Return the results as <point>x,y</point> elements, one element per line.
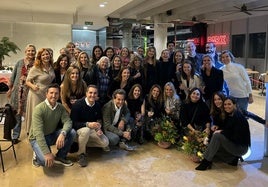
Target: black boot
<point>204,165</point>
<point>234,162</point>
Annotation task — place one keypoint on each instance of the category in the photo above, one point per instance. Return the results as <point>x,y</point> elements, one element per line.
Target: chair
<point>9,124</point>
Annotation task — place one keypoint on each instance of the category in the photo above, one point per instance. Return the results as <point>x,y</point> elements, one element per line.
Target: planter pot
<point>195,158</point>
<point>164,145</point>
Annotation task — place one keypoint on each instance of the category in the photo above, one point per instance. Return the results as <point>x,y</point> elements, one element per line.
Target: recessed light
<point>102,5</point>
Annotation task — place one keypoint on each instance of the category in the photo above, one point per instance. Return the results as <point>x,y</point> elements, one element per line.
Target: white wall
<point>53,36</point>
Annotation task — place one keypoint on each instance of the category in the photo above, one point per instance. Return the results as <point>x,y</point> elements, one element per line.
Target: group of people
<point>109,99</point>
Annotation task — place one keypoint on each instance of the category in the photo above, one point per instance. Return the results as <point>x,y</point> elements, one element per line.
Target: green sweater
<point>45,121</point>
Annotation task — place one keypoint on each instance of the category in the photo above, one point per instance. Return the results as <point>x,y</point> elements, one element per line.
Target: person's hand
<point>49,160</point>
<point>214,127</point>
<point>121,125</point>
<point>60,141</point>
<point>217,131</point>
<point>207,130</point>
<point>94,125</point>
<point>35,87</point>
<point>126,134</point>
<point>9,93</point>
<point>250,99</point>
<point>99,132</point>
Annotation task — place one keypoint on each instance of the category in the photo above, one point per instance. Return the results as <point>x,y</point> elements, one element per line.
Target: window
<point>257,45</point>
<point>238,45</point>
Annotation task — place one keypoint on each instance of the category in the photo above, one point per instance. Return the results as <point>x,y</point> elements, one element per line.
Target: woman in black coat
<point>231,141</point>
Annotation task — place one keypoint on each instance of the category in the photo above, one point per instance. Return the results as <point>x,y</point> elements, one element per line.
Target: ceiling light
<point>102,5</point>
<point>85,27</point>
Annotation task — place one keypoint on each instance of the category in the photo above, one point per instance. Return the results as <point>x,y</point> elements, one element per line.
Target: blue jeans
<point>17,128</point>
<point>242,103</point>
<point>51,140</point>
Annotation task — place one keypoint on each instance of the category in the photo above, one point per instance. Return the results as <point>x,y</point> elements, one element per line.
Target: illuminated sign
<point>219,39</point>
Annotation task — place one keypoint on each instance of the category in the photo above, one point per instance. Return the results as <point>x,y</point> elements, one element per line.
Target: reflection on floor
<point>148,166</point>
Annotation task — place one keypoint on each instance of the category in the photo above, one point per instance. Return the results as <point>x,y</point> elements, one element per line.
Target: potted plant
<point>165,132</point>
<point>194,144</point>
<point>6,46</point>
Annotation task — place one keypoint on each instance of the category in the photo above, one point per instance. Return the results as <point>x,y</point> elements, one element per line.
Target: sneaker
<point>35,163</point>
<point>63,161</point>
<point>82,160</point>
<point>126,147</point>
<point>106,149</point>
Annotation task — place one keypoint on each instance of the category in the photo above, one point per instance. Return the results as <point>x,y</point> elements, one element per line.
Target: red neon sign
<point>219,39</point>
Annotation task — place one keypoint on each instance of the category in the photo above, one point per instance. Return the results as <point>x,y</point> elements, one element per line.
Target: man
<point>195,58</point>
<point>115,120</point>
<point>86,116</point>
<point>140,51</point>
<point>211,50</point>
<point>45,132</point>
<point>171,48</point>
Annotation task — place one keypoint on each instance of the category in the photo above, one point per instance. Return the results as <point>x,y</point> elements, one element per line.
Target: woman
<point>212,78</point>
<point>125,56</point>
<point>18,90</point>
<point>109,52</point>
<point>122,81</point>
<point>195,113</point>
<point>217,111</point>
<point>172,102</point>
<point>150,71</point>
<point>103,78</point>
<point>136,106</point>
<point>239,84</point>
<point>188,79</point>
<point>154,109</point>
<point>60,68</point>
<point>230,142</point>
<point>178,59</point>
<point>86,68</point>
<point>137,71</point>
<point>116,65</point>
<point>72,88</point>
<point>97,53</point>
<point>39,77</point>
<point>165,69</point>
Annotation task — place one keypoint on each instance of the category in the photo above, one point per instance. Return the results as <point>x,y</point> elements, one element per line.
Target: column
<point>160,34</point>
<point>127,33</point>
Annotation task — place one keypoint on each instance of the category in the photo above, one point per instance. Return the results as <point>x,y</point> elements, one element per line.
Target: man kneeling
<point>86,116</point>
<point>45,132</point>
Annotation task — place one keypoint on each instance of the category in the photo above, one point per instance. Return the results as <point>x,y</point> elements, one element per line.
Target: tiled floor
<point>148,166</point>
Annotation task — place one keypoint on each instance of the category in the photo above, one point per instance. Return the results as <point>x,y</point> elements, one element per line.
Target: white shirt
<point>237,80</point>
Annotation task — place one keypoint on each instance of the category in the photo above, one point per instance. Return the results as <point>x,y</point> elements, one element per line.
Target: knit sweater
<point>45,121</point>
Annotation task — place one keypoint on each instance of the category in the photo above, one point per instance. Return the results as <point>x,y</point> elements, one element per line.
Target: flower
<point>165,131</point>
<point>195,143</point>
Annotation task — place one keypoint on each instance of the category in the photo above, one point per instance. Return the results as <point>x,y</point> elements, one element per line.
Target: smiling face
<point>136,92</point>
<point>195,96</point>
<point>229,106</point>
<point>30,53</point>
<point>110,53</point>
<point>45,57</point>
<point>119,100</point>
<point>97,53</point>
<point>125,74</point>
<point>155,93</point>
<point>207,62</point>
<point>178,57</point>
<point>64,62</point>
<point>117,62</point>
<point>217,101</point>
<point>151,53</point>
<point>74,75</point>
<point>52,96</point>
<point>187,68</point>
<point>225,58</point>
<point>168,91</point>
<point>83,59</point>
<point>92,94</point>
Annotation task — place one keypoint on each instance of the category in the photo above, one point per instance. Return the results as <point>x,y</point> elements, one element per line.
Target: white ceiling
<point>76,12</point>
